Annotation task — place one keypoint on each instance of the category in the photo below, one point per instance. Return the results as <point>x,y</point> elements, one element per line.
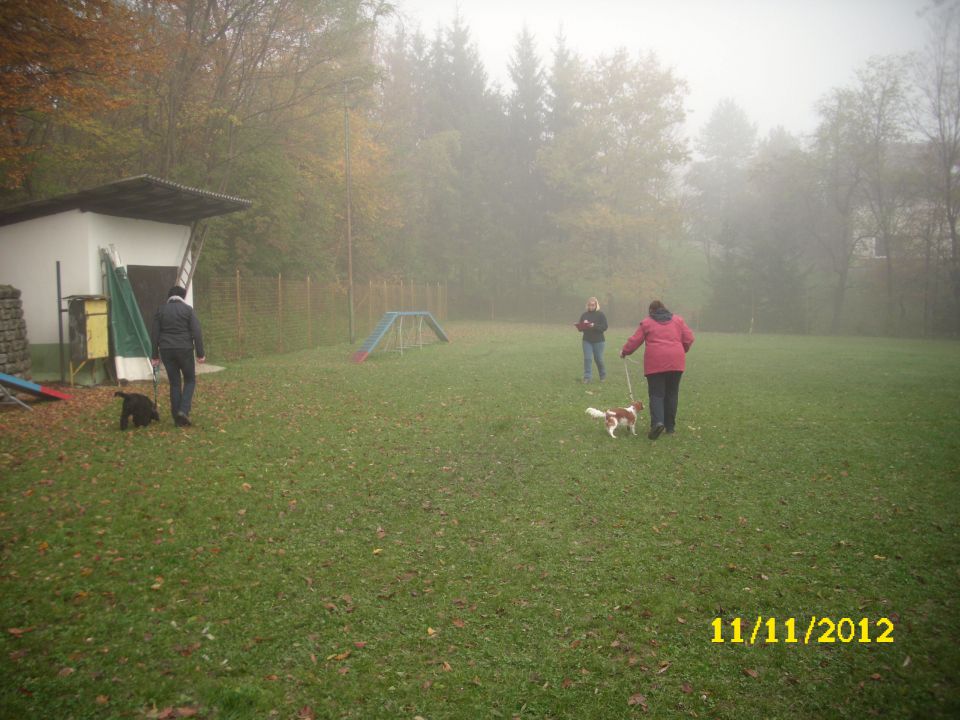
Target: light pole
<point>346,153</point>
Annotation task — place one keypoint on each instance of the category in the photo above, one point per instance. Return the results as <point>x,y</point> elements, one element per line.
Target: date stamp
<point>819,630</point>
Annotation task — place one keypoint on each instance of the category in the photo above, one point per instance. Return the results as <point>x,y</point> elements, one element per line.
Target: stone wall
<point>14,348</point>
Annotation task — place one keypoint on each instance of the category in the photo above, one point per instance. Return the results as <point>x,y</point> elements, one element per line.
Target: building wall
<point>29,252</point>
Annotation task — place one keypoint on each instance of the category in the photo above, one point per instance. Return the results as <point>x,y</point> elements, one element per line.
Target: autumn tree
<point>63,64</point>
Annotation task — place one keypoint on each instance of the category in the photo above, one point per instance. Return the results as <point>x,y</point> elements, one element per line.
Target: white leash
<point>626,368</point>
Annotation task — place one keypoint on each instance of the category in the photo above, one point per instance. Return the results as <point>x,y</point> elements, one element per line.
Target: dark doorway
<point>150,285</point>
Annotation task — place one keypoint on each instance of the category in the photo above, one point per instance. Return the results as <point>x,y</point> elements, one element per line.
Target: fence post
<point>239,319</point>
<point>280,310</point>
<point>309,317</point>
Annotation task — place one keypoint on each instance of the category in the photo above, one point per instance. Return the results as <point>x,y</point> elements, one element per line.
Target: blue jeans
<point>182,374</point>
<point>664,392</point>
<point>593,351</point>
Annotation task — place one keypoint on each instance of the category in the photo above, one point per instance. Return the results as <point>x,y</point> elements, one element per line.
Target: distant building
<point>144,221</point>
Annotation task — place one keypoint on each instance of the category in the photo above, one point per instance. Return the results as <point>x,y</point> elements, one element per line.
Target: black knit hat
<point>178,291</point>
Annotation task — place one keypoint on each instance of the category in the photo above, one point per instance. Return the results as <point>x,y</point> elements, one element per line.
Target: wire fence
<point>250,316</point>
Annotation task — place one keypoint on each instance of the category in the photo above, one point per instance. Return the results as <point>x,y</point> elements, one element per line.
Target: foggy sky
<point>775,58</point>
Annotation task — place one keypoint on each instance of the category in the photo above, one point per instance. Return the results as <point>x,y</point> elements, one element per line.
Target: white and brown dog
<point>615,417</point>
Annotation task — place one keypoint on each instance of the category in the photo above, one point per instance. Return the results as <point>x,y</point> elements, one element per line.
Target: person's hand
<point>155,362</point>
<point>623,354</point>
<point>201,360</point>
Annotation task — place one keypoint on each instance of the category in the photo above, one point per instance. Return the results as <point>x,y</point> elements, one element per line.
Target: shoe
<point>586,381</point>
<point>182,420</point>
<point>669,431</point>
<point>655,431</point>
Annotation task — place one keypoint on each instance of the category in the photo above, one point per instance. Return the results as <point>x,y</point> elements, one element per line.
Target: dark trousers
<point>182,373</point>
<point>664,393</point>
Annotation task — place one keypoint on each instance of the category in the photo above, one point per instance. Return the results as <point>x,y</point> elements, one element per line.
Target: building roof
<point>143,197</point>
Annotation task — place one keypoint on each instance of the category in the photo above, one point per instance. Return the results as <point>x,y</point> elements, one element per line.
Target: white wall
<point>28,260</point>
<point>29,251</point>
<point>140,242</point>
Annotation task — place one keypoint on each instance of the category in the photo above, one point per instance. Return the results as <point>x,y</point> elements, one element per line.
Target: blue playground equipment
<point>394,321</point>
<point>25,386</point>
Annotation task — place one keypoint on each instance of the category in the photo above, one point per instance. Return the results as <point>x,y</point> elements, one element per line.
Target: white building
<point>144,220</point>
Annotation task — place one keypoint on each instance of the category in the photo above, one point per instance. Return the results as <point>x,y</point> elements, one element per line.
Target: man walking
<point>174,336</point>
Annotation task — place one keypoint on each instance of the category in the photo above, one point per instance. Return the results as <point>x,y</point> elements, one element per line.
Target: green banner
<point>127,329</point>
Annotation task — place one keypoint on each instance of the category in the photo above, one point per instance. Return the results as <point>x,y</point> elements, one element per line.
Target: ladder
<point>191,255</point>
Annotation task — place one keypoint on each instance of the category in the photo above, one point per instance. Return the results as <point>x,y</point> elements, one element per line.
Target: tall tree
<point>938,117</point>
<point>614,166</point>
<point>886,187</point>
<point>525,127</point>
<point>726,146</point>
<point>839,159</point>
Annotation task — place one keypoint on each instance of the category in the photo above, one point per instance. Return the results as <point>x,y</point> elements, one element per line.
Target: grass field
<point>446,534</point>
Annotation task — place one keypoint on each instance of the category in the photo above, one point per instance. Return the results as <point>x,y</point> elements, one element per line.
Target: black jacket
<point>599,320</point>
<point>176,327</point>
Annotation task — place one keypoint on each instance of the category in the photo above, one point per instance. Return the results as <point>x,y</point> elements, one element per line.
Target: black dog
<point>139,407</point>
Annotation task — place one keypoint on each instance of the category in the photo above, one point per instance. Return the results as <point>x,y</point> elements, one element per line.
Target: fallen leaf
<point>638,699</point>
<point>66,672</point>
<point>751,673</point>
<point>306,713</point>
<point>686,688</point>
<point>102,699</point>
<point>377,551</point>
<point>431,632</point>
<point>457,622</point>
<point>19,632</point>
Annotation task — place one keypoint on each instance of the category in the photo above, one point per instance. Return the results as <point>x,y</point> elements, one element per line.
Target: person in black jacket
<point>175,335</point>
<point>592,324</point>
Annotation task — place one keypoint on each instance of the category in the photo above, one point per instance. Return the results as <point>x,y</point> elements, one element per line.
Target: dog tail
<point>593,412</point>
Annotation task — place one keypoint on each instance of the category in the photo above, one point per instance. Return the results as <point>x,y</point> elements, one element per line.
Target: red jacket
<point>667,344</point>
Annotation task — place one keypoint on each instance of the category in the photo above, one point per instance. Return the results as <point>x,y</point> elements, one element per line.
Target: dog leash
<point>626,369</point>
<point>156,383</point>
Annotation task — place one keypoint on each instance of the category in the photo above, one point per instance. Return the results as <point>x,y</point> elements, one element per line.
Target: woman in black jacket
<point>175,335</point>
<point>593,324</point>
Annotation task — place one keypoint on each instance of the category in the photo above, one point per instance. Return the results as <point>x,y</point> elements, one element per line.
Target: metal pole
<point>63,378</point>
<point>346,152</point>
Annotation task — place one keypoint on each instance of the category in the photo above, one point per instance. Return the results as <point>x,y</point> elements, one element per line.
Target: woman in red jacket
<point>667,339</point>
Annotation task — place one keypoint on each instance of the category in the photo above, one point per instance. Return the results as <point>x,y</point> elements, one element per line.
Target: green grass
<point>446,534</point>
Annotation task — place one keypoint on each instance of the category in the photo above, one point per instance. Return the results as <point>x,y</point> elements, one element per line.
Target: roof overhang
<point>143,197</point>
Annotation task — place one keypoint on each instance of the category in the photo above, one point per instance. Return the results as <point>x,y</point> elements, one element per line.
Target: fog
<point>774,58</point>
